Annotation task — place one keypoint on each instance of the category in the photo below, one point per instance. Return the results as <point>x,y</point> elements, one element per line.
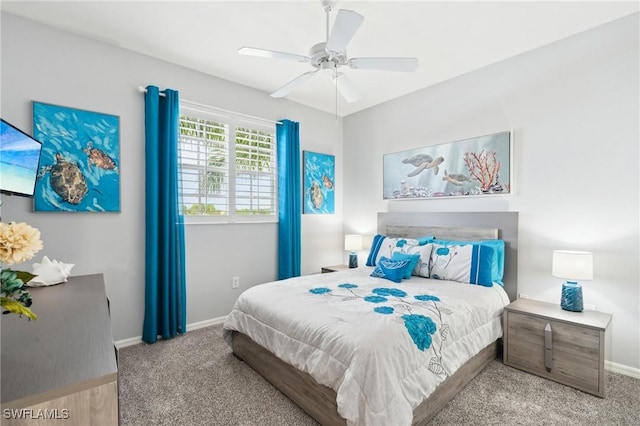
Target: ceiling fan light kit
<point>330,55</point>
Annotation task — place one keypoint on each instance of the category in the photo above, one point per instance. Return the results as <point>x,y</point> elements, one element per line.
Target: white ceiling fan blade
<point>273,54</point>
<point>287,88</point>
<point>344,28</point>
<point>346,88</point>
<point>384,64</point>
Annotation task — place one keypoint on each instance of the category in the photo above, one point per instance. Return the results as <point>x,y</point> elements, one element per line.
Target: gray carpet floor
<point>194,379</point>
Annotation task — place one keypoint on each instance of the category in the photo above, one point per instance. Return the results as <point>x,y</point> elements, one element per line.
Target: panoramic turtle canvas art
<point>79,166</point>
<point>470,167</point>
<point>319,180</point>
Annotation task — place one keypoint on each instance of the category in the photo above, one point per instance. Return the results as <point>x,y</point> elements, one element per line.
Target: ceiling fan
<point>331,55</point>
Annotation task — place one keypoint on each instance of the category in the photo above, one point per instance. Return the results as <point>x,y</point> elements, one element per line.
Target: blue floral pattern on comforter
<point>419,326</point>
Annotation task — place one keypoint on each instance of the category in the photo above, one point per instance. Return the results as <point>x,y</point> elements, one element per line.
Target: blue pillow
<point>412,258</point>
<point>393,270</point>
<point>375,248</point>
<point>497,271</point>
<point>497,260</point>
<point>425,240</point>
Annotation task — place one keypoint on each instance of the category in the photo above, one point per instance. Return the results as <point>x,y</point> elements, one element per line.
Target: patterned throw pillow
<point>393,270</point>
<point>375,248</point>
<point>497,262</point>
<point>384,246</point>
<point>413,261</point>
<point>421,268</point>
<point>462,263</point>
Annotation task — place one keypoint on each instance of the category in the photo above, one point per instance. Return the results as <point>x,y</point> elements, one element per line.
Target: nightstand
<point>334,268</point>
<point>567,347</point>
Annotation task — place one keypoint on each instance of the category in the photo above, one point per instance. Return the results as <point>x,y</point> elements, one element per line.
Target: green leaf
<point>25,276</point>
<point>17,308</point>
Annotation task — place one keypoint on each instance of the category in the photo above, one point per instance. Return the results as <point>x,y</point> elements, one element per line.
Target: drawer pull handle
<point>548,349</point>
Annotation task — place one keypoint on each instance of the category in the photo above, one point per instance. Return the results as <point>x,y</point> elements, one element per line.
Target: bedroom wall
<point>573,109</point>
<point>49,65</point>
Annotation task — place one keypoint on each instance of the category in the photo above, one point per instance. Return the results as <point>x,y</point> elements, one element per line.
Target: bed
<point>351,348</point>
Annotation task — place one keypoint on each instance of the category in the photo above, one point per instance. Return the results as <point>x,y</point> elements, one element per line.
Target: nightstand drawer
<point>575,351</point>
<point>564,346</point>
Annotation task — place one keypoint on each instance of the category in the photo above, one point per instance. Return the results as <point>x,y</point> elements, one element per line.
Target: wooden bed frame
<point>320,401</point>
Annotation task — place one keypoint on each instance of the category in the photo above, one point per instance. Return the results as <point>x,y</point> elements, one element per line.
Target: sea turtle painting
<point>99,158</point>
<point>80,168</point>
<point>316,195</point>
<point>66,180</point>
<point>418,159</point>
<point>456,179</point>
<point>433,165</point>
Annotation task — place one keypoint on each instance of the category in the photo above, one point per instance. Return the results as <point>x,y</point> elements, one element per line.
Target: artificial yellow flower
<point>19,242</point>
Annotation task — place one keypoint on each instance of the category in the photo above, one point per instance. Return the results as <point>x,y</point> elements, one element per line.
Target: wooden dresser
<point>567,347</point>
<point>61,369</point>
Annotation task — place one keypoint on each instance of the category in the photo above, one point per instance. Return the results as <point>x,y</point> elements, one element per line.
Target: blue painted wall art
<point>319,183</point>
<point>80,161</point>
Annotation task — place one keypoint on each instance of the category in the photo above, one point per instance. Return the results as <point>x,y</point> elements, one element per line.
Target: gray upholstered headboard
<point>464,226</point>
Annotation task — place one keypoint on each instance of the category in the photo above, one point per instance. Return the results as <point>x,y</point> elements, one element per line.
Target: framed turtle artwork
<point>80,160</point>
<point>477,166</point>
<point>319,181</point>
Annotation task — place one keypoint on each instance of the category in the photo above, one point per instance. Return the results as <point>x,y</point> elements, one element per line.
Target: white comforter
<point>383,347</point>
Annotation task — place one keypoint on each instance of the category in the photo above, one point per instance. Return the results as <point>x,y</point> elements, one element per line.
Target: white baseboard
<point>622,369</point>
<point>190,327</point>
<point>127,342</point>
<point>206,323</point>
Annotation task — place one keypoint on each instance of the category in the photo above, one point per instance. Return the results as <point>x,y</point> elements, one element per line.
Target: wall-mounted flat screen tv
<point>19,161</point>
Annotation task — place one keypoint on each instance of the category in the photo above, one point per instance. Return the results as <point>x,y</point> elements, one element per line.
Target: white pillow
<point>389,245</point>
<point>471,263</point>
<point>422,267</point>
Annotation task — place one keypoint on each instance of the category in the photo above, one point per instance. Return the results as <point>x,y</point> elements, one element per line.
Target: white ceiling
<point>450,38</point>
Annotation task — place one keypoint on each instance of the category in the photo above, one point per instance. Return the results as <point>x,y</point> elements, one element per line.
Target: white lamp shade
<point>572,265</point>
<point>353,242</point>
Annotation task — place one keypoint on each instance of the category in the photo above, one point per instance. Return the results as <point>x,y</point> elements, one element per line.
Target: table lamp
<point>353,243</point>
<point>572,266</point>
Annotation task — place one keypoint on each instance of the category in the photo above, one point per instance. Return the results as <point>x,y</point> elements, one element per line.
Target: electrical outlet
<point>523,296</point>
<point>235,282</point>
<point>590,307</point>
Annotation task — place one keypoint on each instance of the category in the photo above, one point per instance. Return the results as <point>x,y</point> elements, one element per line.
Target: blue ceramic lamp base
<point>571,299</point>
<point>353,260</point>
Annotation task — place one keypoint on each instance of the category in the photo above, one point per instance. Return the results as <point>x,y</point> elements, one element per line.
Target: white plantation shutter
<point>255,172</point>
<point>228,169</point>
<point>204,161</point>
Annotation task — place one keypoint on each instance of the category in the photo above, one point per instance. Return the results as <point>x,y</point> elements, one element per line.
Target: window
<point>227,168</point>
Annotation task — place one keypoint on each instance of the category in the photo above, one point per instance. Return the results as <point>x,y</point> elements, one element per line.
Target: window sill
<point>248,222</point>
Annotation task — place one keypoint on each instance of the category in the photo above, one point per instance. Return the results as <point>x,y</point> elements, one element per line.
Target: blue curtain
<point>289,199</point>
<point>165,291</point>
